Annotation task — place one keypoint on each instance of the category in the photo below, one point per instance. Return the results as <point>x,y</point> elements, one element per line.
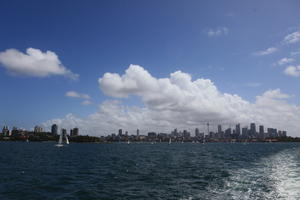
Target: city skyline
<point>252,131</point>
<point>155,65</point>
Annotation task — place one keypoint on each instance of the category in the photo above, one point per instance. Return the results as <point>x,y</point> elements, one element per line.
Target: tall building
<point>196,132</point>
<point>137,132</point>
<point>272,132</point>
<point>54,129</point>
<point>38,129</point>
<point>261,131</point>
<point>228,133</point>
<point>219,128</point>
<point>74,132</point>
<point>253,129</point>
<point>238,130</point>
<point>120,132</point>
<point>245,132</point>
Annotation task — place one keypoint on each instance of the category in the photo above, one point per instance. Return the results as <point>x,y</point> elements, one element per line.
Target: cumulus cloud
<point>178,101</point>
<point>218,31</point>
<point>285,61</point>
<point>266,52</point>
<point>292,38</point>
<point>74,94</point>
<point>292,71</point>
<point>34,63</point>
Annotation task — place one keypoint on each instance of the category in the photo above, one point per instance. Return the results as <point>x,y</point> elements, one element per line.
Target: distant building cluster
<point>38,133</point>
<point>236,134</point>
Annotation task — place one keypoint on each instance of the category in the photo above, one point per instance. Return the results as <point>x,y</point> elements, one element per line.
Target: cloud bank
<point>34,63</point>
<point>178,101</point>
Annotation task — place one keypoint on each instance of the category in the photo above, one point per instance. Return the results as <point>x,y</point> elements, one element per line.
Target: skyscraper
<point>120,132</point>
<point>74,132</point>
<point>245,132</point>
<point>219,128</point>
<point>261,131</point>
<point>238,130</point>
<point>54,129</point>
<point>253,129</point>
<point>196,132</point>
<point>137,132</point>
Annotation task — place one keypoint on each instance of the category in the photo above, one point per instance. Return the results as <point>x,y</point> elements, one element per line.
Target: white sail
<point>67,140</point>
<point>60,144</point>
<point>170,141</point>
<point>60,139</point>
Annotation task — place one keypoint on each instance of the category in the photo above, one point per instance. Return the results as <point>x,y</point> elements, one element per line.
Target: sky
<point>152,65</point>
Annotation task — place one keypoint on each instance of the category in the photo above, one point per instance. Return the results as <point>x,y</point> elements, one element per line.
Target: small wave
<point>274,177</point>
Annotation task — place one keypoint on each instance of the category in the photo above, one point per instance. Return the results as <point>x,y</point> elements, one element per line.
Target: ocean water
<point>189,171</point>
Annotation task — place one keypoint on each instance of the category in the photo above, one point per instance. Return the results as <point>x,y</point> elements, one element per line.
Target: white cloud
<point>285,61</point>
<point>292,38</point>
<point>218,31</point>
<point>74,94</point>
<point>266,52</point>
<point>292,71</point>
<point>179,102</point>
<point>86,102</point>
<point>34,63</point>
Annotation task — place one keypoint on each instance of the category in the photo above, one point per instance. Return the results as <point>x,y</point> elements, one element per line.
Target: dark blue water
<point>149,171</point>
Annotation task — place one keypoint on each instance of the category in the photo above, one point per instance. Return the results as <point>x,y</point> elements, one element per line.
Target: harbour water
<point>149,171</point>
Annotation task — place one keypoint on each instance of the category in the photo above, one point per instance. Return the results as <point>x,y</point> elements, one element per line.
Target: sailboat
<point>170,141</point>
<point>60,141</point>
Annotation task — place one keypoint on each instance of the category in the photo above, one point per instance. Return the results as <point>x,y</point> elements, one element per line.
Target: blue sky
<point>224,41</point>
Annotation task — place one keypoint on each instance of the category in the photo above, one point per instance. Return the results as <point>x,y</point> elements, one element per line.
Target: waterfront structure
<point>5,131</point>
